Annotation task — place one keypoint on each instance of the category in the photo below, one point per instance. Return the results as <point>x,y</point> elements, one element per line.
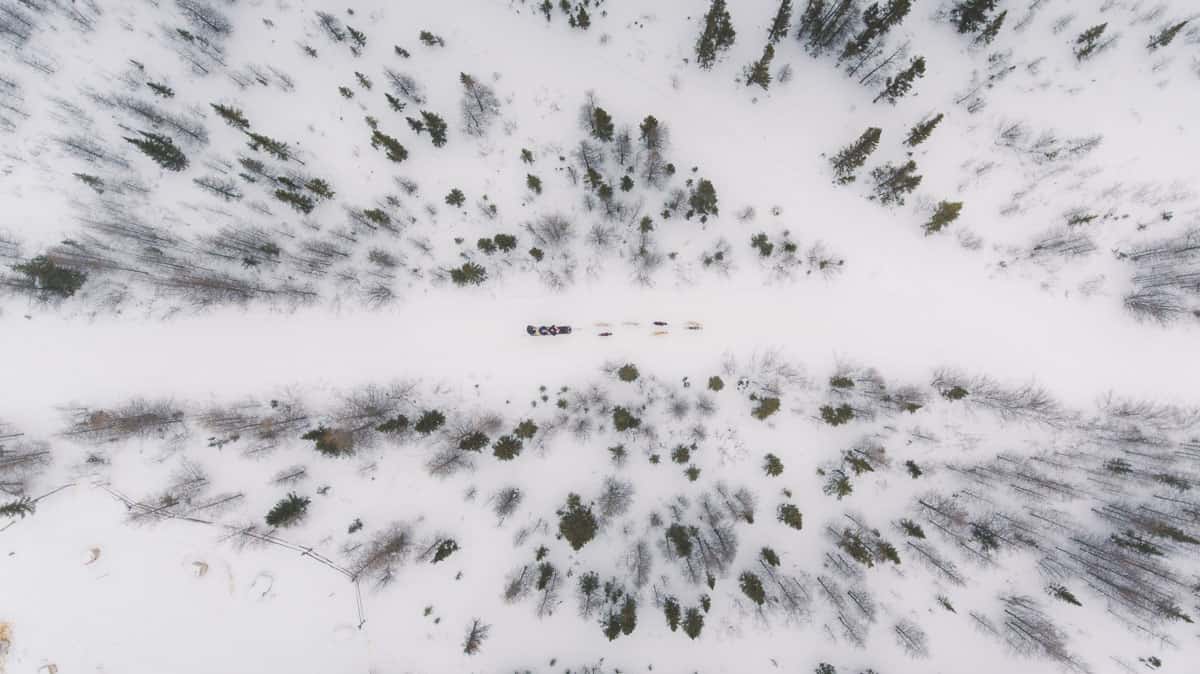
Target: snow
<point>903,302</point>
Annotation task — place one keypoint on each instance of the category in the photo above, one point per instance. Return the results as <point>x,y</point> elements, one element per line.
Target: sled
<point>547,330</point>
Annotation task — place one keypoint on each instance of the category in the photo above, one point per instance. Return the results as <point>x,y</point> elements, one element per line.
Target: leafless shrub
<point>21,460</point>
<point>616,497</point>
<point>506,501</point>
<point>553,231</point>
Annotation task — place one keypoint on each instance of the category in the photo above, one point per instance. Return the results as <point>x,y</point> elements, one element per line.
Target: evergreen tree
<point>969,15</point>
<point>672,613</point>
<point>1087,42</point>
<point>392,147</point>
<point>547,8</point>
<point>601,124</point>
<point>526,429</point>
<point>628,615</point>
<point>612,626</point>
<point>718,34</point>
<point>161,89</point>
<point>703,200</point>
<point>623,420</point>
<point>397,104</point>
<point>652,135</point>
<point>473,442</point>
<point>23,506</point>
<point>781,23</point>
<point>852,157</point>
<point>877,22</point>
<point>752,587</point>
<point>507,448</point>
<point>790,515</point>
<point>581,20</point>
<point>1167,35</point>
<point>628,372</point>
<point>769,556</point>
<point>49,278</point>
<point>320,188</point>
<point>445,548</point>
<point>232,116</point>
<point>992,29</point>
<point>429,421</point>
<point>436,126</point>
<point>296,200</point>
<point>900,85</point>
<point>893,182</point>
<point>415,124</point>
<point>288,511</point>
<point>920,133</point>
<point>759,72</point>
<point>576,522</point>
<point>455,197</point>
<point>693,623</point>
<point>161,149</point>
<point>772,465</point>
<point>824,23</point>
<point>397,424</point>
<point>534,183</point>
<point>275,148</point>
<point>946,213</point>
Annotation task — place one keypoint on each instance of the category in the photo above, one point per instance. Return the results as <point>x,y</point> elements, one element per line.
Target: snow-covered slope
<point>297,264</point>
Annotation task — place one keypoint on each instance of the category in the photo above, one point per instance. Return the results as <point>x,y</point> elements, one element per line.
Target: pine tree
<point>672,613</point>
<point>507,448</point>
<point>718,34</point>
<point>397,104</point>
<point>50,278</point>
<point>1086,44</point>
<point>161,149</point>
<point>436,126</point>
<point>759,72</point>
<point>429,421</point>
<point>23,506</point>
<point>288,511</point>
<point>920,133</point>
<point>296,200</point>
<point>969,15</point>
<point>876,23</point>
<point>547,8</point>
<point>455,197</point>
<point>275,148</point>
<point>1167,35</point>
<point>534,183</point>
<point>576,522</point>
<point>358,38</point>
<point>892,182</point>
<point>693,623</point>
<point>445,548</point>
<point>790,515</point>
<point>703,200</point>
<point>628,615</point>
<point>853,156</point>
<point>992,29</point>
<point>900,85</point>
<point>946,213</point>
<point>825,23</point>
<point>320,188</point>
<point>161,89</point>
<point>781,23</point>
<point>772,465</point>
<point>652,136</point>
<point>582,20</point>
<point>752,587</point>
<point>601,124</point>
<point>392,147</point>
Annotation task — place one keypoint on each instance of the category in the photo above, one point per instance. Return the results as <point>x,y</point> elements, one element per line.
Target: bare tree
<point>381,558</point>
<point>479,106</point>
<point>911,638</point>
<point>476,634</point>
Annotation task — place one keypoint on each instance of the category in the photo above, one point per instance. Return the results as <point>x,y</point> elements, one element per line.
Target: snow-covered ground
<point>1077,404</point>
